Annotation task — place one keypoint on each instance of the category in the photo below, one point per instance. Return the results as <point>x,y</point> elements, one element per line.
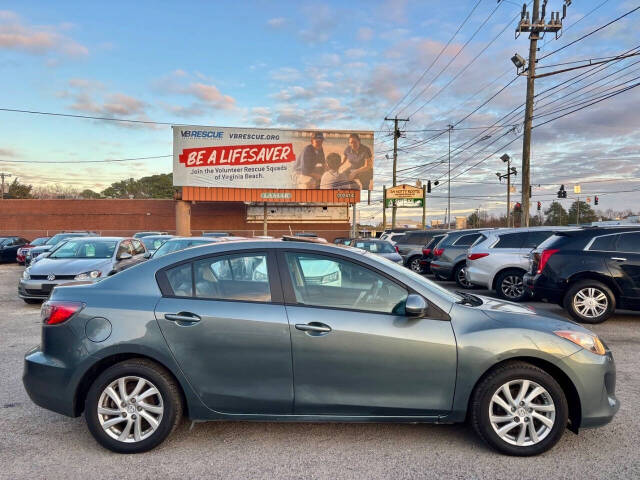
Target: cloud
<point>365,34</point>
<point>294,93</point>
<point>211,96</point>
<point>320,26</point>
<point>15,35</point>
<point>277,22</point>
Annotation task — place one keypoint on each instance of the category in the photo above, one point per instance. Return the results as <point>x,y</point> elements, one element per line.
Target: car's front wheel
<point>589,301</point>
<point>519,409</point>
<point>133,406</point>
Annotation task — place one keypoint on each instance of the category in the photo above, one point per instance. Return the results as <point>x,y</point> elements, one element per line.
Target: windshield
<point>175,245</point>
<point>153,243</point>
<point>86,249</point>
<point>376,247</point>
<point>57,238</point>
<point>3,240</point>
<point>38,241</point>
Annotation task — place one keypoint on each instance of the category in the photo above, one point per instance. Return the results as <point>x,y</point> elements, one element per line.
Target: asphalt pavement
<point>36,443</point>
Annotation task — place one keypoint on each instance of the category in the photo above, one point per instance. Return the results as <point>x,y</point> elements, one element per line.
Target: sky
<point>328,65</point>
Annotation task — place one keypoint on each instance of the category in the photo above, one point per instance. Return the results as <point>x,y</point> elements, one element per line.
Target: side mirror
<point>147,254</point>
<point>415,306</point>
<point>124,256</point>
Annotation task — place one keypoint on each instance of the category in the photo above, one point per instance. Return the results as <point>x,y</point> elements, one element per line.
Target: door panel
<point>237,357</point>
<point>372,364</point>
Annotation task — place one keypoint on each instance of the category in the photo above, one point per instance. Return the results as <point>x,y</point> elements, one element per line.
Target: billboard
<point>272,158</point>
<point>405,196</point>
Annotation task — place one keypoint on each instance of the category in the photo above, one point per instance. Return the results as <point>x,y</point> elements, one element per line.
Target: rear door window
<point>233,277</point>
<point>533,239</point>
<point>466,240</point>
<point>511,240</point>
<point>605,243</point>
<point>629,242</point>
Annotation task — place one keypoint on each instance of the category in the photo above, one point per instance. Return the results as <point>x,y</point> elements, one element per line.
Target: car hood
<point>526,316</point>
<point>68,266</point>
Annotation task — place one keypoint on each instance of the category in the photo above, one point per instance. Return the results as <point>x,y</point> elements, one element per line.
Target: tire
<point>458,276</point>
<point>414,263</point>
<point>510,285</point>
<point>488,416</point>
<point>165,407</point>
<point>583,291</point>
<point>32,301</point>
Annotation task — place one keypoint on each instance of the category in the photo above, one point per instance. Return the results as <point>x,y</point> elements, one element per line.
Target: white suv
<point>499,259</point>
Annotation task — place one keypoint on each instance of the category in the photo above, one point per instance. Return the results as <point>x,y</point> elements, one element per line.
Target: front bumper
<point>41,289</point>
<point>594,377</point>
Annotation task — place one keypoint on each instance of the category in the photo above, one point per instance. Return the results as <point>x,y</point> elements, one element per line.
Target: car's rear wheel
<point>133,406</point>
<point>519,409</point>
<point>589,301</point>
<point>460,276</point>
<point>414,263</point>
<point>510,285</point>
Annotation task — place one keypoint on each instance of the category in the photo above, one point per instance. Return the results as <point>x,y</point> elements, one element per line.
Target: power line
<point>108,160</point>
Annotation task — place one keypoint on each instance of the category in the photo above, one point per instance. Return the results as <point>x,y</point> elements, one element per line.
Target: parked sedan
<point>153,242</point>
<point>22,251</point>
<point>9,248</point>
<point>383,248</point>
<point>79,260</point>
<point>180,243</point>
<point>244,331</point>
<point>52,242</point>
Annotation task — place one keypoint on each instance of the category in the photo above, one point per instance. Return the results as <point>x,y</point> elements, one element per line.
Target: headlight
<point>88,275</point>
<point>584,340</point>
<point>25,275</point>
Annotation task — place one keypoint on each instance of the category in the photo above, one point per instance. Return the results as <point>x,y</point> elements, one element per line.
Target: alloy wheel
<point>130,409</point>
<point>415,265</point>
<point>512,286</point>
<point>522,412</point>
<point>590,302</point>
<point>462,278</point>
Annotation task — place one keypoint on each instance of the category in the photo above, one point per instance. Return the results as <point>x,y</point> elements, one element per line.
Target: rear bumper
<point>477,276</point>
<point>47,382</point>
<point>441,268</point>
<point>540,287</point>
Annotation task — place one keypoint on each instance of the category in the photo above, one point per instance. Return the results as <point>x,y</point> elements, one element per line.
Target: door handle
<point>182,318</point>
<point>315,327</point>
<point>619,259</point>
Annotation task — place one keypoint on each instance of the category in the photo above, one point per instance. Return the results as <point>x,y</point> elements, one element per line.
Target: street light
<point>505,158</point>
<point>518,61</point>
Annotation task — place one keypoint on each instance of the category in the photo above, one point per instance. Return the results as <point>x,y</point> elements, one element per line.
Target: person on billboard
<point>359,159</point>
<point>333,178</point>
<point>311,163</point>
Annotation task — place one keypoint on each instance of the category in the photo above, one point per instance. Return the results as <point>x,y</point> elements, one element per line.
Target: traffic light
<point>595,200</point>
<point>517,207</point>
<point>428,186</point>
<point>539,206</point>
<point>561,191</point>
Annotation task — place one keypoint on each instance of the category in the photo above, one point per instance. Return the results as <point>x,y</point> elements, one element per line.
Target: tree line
<point>153,186</point>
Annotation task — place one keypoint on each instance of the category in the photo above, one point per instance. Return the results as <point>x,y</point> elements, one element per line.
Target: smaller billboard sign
<point>404,191</point>
<point>405,202</point>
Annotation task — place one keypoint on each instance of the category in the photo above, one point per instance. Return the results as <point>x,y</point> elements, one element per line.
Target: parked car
<point>216,234</point>
<point>52,242</point>
<point>153,242</point>
<point>383,248</point>
<point>22,251</point>
<point>9,248</point>
<point>410,246</point>
<point>590,272</point>
<point>201,333</point>
<point>499,259</point>
<point>79,260</point>
<point>427,253</point>
<point>180,243</point>
<point>389,233</point>
<point>146,234</point>
<point>450,256</point>
<point>341,240</point>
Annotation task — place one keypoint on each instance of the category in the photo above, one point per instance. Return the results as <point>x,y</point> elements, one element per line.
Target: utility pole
<point>510,171</point>
<point>450,127</point>
<point>3,175</point>
<point>424,206</point>
<point>384,208</point>
<point>396,135</point>
<point>535,27</point>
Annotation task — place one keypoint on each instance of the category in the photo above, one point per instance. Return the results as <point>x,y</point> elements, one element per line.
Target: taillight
<point>397,249</point>
<point>438,251</point>
<point>544,258</point>
<point>55,312</point>
<point>426,251</point>
<point>475,256</point>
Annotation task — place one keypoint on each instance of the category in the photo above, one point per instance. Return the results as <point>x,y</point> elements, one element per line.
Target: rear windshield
<point>39,241</point>
<point>375,247</point>
<point>550,241</point>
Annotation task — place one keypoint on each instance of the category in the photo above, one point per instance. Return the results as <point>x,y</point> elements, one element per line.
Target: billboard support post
<point>264,220</point>
<point>424,207</point>
<point>354,220</point>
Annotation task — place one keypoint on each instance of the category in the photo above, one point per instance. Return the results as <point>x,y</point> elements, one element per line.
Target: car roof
<point>593,231</point>
<point>503,231</point>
